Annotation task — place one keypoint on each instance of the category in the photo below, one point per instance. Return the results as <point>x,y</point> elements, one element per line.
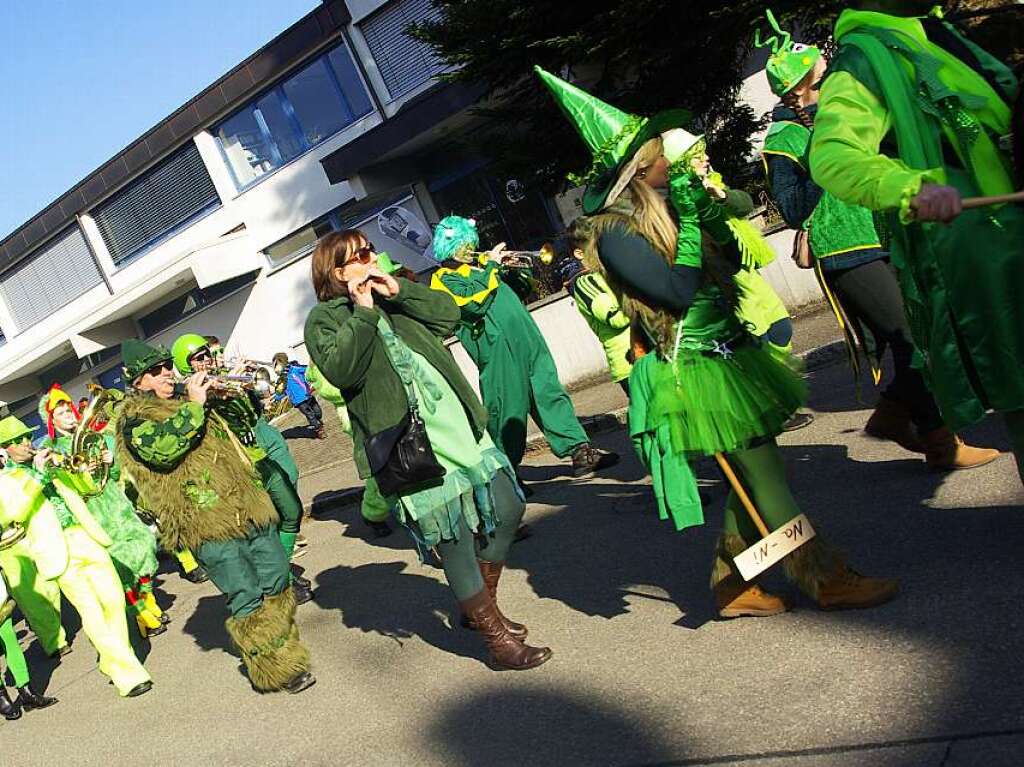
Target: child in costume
<point>380,341</point>
<point>374,509</point>
<point>199,482</point>
<point>299,393</point>
<point>133,547</point>
<point>716,387</point>
<point>596,303</point>
<point>518,377</point>
<point>68,546</point>
<point>910,121</point>
<point>266,448</point>
<point>27,699</point>
<point>853,269</point>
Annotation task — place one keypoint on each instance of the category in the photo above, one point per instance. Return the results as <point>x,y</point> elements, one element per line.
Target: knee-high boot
<point>506,650</point>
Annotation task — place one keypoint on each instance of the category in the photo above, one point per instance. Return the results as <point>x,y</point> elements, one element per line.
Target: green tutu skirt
<point>718,403</point>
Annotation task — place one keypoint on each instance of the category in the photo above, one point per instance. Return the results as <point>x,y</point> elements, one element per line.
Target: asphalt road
<point>642,673</point>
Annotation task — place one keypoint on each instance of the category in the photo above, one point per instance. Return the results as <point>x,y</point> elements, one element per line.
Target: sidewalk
<point>328,474</point>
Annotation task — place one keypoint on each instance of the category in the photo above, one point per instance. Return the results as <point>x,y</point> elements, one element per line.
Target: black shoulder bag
<point>401,458</point>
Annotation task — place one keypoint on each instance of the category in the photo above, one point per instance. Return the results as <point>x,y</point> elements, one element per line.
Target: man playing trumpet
<point>240,407</point>
<point>200,483</point>
<point>517,374</point>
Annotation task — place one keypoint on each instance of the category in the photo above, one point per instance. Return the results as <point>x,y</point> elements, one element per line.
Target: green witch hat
<point>788,62</point>
<point>612,135</point>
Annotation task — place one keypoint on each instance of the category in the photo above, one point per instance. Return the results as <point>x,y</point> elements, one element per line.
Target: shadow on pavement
<point>538,727</point>
<point>416,605</point>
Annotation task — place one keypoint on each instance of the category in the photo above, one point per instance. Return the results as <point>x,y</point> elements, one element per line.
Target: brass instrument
<point>227,386</point>
<point>84,469</point>
<point>11,535</point>
<point>519,259</point>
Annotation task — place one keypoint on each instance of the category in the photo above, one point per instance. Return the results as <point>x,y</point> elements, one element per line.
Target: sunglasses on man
<point>201,355</point>
<point>159,368</point>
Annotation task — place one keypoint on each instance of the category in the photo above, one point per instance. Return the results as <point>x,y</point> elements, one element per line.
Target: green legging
<point>459,558</point>
<point>375,507</point>
<point>1015,425</point>
<point>763,474</point>
<point>15,657</point>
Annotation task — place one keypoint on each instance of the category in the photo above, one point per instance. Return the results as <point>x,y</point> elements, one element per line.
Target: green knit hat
<point>13,430</point>
<point>138,357</point>
<point>613,136</point>
<point>789,62</point>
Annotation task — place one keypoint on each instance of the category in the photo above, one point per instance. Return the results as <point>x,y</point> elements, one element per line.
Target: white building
<point>206,222</point>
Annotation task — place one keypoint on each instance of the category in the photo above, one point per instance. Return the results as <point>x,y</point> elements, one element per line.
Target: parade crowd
<point>870,157</point>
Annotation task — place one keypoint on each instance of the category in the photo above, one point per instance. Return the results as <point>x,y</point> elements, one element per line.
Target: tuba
<point>84,469</point>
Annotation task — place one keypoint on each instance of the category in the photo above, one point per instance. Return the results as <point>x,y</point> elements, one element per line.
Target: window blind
<point>403,61</point>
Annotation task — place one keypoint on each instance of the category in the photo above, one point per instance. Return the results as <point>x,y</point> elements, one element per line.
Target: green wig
<point>455,238</point>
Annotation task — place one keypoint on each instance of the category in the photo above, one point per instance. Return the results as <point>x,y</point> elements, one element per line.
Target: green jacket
<point>342,341</point>
<point>599,306</point>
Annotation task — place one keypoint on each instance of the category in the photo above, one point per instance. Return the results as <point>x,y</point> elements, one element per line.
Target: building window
<point>193,301</point>
<point>49,279</point>
<point>404,62</point>
<point>301,242</point>
<point>146,211</point>
<point>313,104</point>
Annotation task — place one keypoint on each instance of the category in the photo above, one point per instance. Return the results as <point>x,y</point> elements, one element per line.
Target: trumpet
<point>520,259</point>
<point>227,386</point>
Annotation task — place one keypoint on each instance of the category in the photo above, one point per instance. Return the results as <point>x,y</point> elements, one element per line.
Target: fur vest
<point>214,494</point>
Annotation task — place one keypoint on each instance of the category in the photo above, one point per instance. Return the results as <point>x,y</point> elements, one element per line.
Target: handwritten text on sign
<point>770,550</point>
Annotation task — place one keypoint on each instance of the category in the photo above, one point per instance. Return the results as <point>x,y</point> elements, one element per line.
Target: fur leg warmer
<point>269,643</point>
<point>812,565</point>
<point>728,546</point>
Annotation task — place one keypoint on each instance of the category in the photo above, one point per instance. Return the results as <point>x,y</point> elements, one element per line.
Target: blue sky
<point>83,78</point>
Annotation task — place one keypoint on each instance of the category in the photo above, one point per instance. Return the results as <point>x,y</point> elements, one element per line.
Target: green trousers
<point>459,557</point>
<point>375,507</point>
<point>283,493</point>
<point>511,393</point>
<point>38,598</point>
<point>247,569</point>
<point>15,657</point>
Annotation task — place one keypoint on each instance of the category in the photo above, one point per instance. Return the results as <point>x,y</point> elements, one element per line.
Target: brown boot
<point>506,651</point>
<point>491,572</point>
<point>945,451</point>
<point>891,421</point>
<point>736,599</point>
<point>848,589</point>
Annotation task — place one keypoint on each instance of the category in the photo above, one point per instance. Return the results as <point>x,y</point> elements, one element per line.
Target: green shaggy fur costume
<point>214,494</point>
<point>268,641</point>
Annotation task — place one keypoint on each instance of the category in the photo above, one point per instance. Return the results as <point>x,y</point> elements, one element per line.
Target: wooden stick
<point>742,494</point>
<point>980,202</point>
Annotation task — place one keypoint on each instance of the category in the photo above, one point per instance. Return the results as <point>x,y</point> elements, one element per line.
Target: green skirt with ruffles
<point>718,402</point>
<point>433,515</point>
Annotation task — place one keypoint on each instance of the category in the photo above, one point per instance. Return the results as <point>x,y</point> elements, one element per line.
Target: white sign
<point>772,549</point>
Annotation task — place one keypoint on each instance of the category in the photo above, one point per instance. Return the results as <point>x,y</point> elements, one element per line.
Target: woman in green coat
<point>133,547</point>
<point>379,339</point>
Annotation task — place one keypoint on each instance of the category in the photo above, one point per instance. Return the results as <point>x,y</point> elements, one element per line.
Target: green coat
<point>874,144</point>
<point>342,341</point>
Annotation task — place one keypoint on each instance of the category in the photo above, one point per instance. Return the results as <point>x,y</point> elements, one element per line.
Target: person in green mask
<point>912,119</point>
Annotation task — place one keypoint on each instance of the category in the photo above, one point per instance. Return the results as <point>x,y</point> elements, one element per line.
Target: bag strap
<point>388,339</point>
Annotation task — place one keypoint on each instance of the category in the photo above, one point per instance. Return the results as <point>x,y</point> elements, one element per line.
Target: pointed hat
<point>788,62</point>
<point>613,136</point>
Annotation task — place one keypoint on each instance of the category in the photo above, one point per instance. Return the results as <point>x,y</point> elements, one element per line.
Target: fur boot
<point>269,643</point>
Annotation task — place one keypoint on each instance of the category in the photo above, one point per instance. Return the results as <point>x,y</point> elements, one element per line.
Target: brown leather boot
<point>945,451</point>
<point>491,572</point>
<point>736,599</point>
<point>506,651</point>
<point>891,421</point>
<point>848,589</point>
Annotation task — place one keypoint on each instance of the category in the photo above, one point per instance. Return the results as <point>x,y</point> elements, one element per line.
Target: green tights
<point>763,474</point>
<point>15,657</point>
<point>459,557</point>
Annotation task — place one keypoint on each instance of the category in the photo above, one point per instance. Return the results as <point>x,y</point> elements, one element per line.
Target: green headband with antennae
<point>788,62</point>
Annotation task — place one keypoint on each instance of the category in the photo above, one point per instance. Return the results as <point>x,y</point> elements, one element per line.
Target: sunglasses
<point>362,255</point>
<point>159,368</point>
<point>202,354</point>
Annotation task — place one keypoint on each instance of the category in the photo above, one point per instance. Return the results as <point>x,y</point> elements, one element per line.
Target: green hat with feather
<point>613,136</point>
